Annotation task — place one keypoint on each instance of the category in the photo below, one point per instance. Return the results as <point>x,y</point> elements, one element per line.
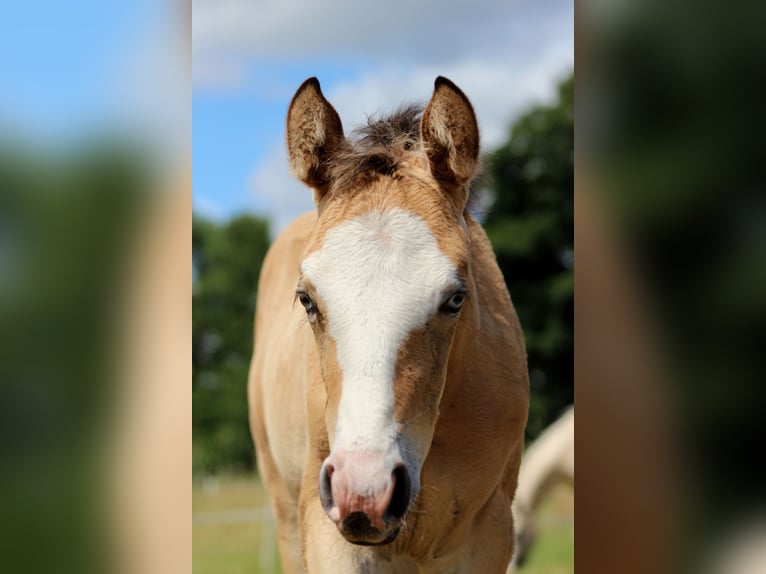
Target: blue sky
<point>250,56</point>
<point>70,70</point>
<point>60,66</point>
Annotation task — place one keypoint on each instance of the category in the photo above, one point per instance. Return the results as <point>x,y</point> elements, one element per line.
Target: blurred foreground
<point>94,411</point>
<point>95,221</point>
<point>670,313</point>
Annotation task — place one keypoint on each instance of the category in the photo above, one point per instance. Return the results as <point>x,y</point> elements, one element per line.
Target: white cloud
<point>396,29</point>
<point>399,33</point>
<point>282,196</point>
<point>207,208</point>
<point>218,74</point>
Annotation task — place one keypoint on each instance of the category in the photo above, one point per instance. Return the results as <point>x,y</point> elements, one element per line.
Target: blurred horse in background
<point>546,463</point>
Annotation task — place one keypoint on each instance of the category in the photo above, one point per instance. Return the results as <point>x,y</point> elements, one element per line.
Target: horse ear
<point>450,134</point>
<point>314,134</point>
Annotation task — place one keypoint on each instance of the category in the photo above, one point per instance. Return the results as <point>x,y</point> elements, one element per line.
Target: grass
<point>225,539</point>
<point>231,536</point>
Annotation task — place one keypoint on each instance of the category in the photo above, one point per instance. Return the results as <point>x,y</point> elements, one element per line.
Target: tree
<point>530,224</point>
<point>227,262</point>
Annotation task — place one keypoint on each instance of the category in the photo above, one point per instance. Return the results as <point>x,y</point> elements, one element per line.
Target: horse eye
<point>306,301</point>
<point>454,303</point>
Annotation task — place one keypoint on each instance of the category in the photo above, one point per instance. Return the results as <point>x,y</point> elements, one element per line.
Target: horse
<point>388,390</point>
<point>546,463</point>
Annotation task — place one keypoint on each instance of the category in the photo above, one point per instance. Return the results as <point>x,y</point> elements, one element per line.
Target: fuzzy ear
<point>450,134</point>
<point>314,134</point>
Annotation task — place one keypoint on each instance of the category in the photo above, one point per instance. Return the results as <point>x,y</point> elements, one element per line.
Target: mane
<point>380,148</point>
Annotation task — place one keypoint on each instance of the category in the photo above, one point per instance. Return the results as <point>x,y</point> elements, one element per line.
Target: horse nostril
<point>400,498</point>
<point>325,487</point>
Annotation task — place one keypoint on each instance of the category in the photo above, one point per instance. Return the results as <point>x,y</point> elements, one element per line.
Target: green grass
<point>228,541</point>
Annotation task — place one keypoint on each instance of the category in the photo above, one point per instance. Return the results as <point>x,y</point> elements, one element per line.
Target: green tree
<point>227,262</point>
<point>530,224</point>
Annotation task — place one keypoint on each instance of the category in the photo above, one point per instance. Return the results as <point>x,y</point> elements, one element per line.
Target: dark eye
<point>454,303</point>
<point>306,301</point>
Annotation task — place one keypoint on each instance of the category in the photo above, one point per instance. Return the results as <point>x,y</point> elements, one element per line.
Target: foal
<point>388,390</point>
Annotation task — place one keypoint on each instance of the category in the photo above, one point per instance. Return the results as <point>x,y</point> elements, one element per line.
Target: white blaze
<point>380,276</point>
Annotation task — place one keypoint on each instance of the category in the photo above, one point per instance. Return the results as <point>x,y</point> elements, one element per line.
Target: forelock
<point>379,148</point>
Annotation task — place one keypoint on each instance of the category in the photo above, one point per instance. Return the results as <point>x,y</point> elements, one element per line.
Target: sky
<point>79,69</point>
<point>249,57</point>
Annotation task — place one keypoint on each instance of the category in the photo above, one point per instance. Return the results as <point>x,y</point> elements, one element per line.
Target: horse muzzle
<point>366,494</point>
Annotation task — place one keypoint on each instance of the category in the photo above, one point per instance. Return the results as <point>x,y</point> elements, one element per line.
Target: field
<point>233,532</point>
